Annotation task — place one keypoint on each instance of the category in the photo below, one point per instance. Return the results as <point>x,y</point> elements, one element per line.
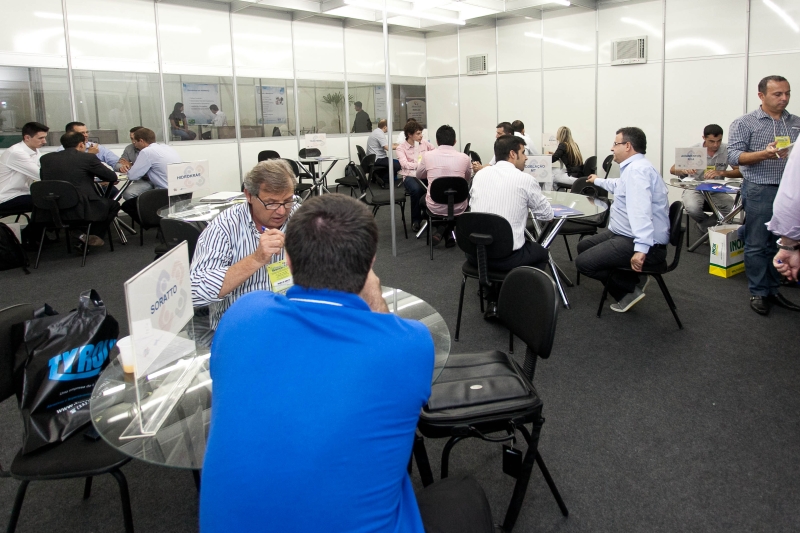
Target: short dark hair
<point>71,139</point>
<point>213,107</point>
<point>71,126</point>
<point>358,104</point>
<point>411,128</point>
<point>762,85</point>
<point>517,126</point>
<point>505,144</point>
<point>144,134</point>
<point>712,129</point>
<point>636,137</point>
<point>446,135</point>
<point>331,241</point>
<point>507,128</point>
<point>30,129</point>
<point>135,129</point>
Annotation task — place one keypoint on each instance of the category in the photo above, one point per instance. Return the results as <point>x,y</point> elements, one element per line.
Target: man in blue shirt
<point>638,229</point>
<point>312,428</point>
<point>756,143</point>
<point>150,169</point>
<point>103,154</point>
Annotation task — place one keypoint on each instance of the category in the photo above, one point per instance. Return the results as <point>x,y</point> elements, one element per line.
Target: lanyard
<point>775,131</point>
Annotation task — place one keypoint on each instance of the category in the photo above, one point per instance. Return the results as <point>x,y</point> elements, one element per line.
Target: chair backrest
<point>528,306</point>
<point>581,186</point>
<point>295,167</point>
<point>11,335</point>
<point>309,152</point>
<point>148,204</point>
<point>676,230</point>
<point>367,163</point>
<point>502,236</point>
<point>177,231</point>
<point>607,162</point>
<point>54,194</point>
<point>450,191</point>
<point>263,155</point>
<point>361,153</point>
<point>276,131</point>
<point>466,148</point>
<point>590,166</point>
<point>363,184</point>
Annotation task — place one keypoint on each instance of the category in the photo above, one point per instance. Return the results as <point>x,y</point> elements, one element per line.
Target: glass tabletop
<point>196,211</point>
<point>317,159</point>
<point>689,184</point>
<point>577,205</point>
<point>181,440</point>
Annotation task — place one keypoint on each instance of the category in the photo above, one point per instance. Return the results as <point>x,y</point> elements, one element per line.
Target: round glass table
<point>196,210</point>
<point>724,186</point>
<point>181,440</point>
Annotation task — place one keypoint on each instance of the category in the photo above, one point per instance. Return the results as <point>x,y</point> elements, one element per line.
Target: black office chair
<point>175,232</point>
<point>480,394</point>
<point>377,198</point>
<point>264,155</point>
<point>276,131</point>
<point>148,204</point>
<point>368,165</point>
<point>466,148</point>
<point>361,154</point>
<point>483,236</point>
<point>446,191</point>
<point>52,200</point>
<point>474,157</point>
<point>350,181</point>
<point>590,166</point>
<point>585,226</point>
<point>76,457</point>
<point>303,190</point>
<point>676,230</point>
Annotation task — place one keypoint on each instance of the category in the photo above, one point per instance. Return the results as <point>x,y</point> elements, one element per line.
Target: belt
<point>659,246</point>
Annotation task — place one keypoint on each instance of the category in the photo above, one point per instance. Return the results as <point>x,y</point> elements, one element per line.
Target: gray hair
<point>273,175</point>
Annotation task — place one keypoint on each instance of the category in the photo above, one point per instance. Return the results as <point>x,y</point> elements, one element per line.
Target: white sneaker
<point>628,301</point>
<point>642,285</point>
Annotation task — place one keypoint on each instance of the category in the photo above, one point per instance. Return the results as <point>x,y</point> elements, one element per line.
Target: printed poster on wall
<point>693,158</point>
<point>273,105</point>
<point>380,104</point>
<point>197,97</point>
<point>186,177</point>
<point>415,108</point>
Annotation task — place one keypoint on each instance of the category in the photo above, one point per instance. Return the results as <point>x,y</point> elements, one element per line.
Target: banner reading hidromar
<point>186,177</point>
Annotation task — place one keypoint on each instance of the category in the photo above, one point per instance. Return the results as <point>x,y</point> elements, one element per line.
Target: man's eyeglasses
<point>273,207</point>
<point>623,142</point>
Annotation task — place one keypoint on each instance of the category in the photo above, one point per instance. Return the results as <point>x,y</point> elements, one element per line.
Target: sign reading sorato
<point>186,177</point>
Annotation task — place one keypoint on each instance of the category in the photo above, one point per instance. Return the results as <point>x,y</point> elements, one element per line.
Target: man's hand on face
<point>270,243</point>
<point>94,149</point>
<point>637,261</point>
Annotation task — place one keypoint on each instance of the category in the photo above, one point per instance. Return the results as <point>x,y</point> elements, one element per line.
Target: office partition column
<point>237,127</point>
<point>389,116</point>
<point>73,107</point>
<point>165,120</point>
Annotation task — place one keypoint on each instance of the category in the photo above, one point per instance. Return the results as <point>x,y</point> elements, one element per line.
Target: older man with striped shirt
<point>234,250</point>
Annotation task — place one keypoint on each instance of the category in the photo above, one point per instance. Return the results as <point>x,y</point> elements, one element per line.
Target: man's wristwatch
<point>789,247</point>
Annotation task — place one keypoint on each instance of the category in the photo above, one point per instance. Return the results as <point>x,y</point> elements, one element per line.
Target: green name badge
<point>782,142</point>
<point>280,277</point>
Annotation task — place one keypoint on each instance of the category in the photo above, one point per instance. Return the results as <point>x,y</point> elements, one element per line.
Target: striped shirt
<point>752,133</point>
<point>445,161</point>
<point>505,190</point>
<point>409,156</point>
<point>228,239</point>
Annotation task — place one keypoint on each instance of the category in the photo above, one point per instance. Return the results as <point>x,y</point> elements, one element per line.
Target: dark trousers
<point>759,243</point>
<point>531,254</point>
<point>599,254</point>
<point>23,202</point>
<point>416,191</point>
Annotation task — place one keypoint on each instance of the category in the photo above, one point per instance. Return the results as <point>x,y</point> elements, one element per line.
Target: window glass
<point>363,93</point>
<point>322,107</point>
<point>266,107</point>
<point>190,103</point>
<point>111,103</point>
<point>32,94</point>
<point>409,101</point>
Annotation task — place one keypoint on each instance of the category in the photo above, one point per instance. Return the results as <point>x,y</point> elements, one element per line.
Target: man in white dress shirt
<point>19,167</point>
<point>504,189</point>
<point>219,117</point>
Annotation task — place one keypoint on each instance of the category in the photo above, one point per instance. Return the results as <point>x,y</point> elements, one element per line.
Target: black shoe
<point>780,301</point>
<point>491,312</point>
<point>436,238</point>
<point>415,226</point>
<point>450,242</point>
<point>760,304</point>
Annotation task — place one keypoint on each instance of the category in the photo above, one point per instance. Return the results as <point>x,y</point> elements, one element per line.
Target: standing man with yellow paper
<point>757,144</point>
<point>242,249</point>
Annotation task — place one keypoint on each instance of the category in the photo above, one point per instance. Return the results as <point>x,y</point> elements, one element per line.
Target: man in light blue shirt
<point>150,169</point>
<point>638,230</point>
<point>103,154</point>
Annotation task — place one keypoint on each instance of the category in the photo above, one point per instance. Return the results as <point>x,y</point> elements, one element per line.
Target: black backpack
<point>11,253</point>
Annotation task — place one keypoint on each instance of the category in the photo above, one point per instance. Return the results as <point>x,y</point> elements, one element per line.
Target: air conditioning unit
<point>477,65</point>
<point>629,51</point>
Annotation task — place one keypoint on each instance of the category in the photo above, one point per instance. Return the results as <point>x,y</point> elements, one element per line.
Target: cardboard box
<point>727,251</point>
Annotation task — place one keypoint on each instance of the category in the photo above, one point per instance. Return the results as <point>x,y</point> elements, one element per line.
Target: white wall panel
<point>707,28</point>
<point>786,65</point>
<point>474,41</point>
<point>519,49</point>
<point>623,21</point>
<point>478,114</point>
<point>33,34</point>
<point>771,31</point>
<point>442,54</point>
<point>569,39</point>
<point>223,162</point>
<point>406,54</point>
<point>630,96</point>
<point>286,147</point>
<point>116,35</point>
<point>364,49</point>
<point>569,101</point>
<point>442,95</point>
<point>262,46</point>
<point>194,40</point>
<point>690,110</point>
<point>319,45</point>
<point>520,98</point>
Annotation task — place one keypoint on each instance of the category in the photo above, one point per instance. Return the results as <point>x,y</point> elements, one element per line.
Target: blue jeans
<point>759,242</point>
<point>417,192</point>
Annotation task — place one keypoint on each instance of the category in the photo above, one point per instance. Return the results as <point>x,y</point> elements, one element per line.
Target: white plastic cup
<point>125,347</point>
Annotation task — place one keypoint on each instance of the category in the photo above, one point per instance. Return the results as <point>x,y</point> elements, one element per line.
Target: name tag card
<point>694,158</point>
<point>316,140</point>
<point>280,277</point>
<point>541,168</point>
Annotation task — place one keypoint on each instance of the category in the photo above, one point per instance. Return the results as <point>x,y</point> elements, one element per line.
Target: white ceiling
<point>408,15</point>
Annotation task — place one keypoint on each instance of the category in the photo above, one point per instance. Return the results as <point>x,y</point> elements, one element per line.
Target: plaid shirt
<point>752,133</point>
